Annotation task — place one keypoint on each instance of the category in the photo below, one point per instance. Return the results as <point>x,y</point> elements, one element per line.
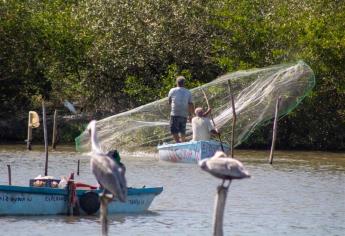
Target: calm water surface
<point>303,193</point>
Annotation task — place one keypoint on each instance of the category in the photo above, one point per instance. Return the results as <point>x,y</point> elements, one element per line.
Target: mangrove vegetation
<point>111,56</point>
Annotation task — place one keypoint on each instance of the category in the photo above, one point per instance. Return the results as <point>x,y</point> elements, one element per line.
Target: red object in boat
<point>82,185</point>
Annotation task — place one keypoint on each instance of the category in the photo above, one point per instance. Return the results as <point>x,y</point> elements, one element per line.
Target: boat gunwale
<point>169,145</point>
<point>58,191</point>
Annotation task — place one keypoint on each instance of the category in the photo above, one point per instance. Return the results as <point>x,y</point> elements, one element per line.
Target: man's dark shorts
<point>178,124</point>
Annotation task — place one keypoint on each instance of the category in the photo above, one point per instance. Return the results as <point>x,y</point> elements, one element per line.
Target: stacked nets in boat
<point>255,94</point>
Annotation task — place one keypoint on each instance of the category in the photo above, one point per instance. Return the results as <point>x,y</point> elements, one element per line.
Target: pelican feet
<point>225,183</point>
<point>106,195</point>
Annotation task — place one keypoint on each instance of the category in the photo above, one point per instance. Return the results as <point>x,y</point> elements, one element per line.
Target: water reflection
<point>302,193</point>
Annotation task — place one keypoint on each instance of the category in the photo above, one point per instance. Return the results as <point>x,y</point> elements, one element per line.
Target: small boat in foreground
<point>190,152</point>
<point>21,200</point>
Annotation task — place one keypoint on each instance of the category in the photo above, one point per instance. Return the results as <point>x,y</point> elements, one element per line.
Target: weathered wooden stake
<point>219,210</point>
<point>214,124</point>
<point>275,127</point>
<point>45,138</point>
<point>54,130</point>
<point>104,214</point>
<point>234,117</point>
<point>70,197</point>
<point>29,138</point>
<point>9,175</point>
<point>78,167</point>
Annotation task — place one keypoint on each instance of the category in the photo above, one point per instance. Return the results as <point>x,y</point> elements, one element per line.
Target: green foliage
<point>136,88</point>
<point>142,91</point>
<point>258,33</point>
<point>68,132</point>
<point>169,80</point>
<point>115,55</point>
<point>139,41</point>
<point>42,52</point>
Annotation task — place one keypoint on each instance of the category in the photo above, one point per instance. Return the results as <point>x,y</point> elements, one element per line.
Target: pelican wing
<point>109,175</point>
<point>121,171</point>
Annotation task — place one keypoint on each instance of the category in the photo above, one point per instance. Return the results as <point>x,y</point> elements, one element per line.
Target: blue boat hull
<point>20,200</point>
<point>189,152</point>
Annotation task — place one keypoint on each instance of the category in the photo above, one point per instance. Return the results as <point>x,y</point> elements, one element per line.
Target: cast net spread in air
<point>255,94</point>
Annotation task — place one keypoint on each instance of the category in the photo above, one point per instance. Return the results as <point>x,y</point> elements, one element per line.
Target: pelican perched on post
<point>225,168</point>
<point>109,174</point>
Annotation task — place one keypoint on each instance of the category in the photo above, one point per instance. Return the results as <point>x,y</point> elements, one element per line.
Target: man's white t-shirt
<point>201,127</point>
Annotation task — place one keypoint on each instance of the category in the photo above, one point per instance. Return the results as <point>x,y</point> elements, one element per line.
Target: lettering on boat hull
<point>14,198</point>
<point>189,152</point>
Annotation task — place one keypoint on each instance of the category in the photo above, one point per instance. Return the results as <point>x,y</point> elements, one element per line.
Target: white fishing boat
<point>190,152</point>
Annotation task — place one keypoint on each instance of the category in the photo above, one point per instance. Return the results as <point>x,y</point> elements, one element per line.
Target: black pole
<point>78,167</point>
<point>9,175</point>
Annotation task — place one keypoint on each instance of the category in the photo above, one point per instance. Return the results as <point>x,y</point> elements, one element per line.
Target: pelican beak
<point>246,174</point>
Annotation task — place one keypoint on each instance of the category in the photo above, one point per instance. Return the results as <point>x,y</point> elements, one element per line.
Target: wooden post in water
<point>104,214</point>
<point>29,138</point>
<point>54,130</point>
<point>9,175</point>
<point>78,166</point>
<point>234,117</point>
<point>70,197</point>
<point>275,127</point>
<point>219,210</point>
<point>73,204</point>
<point>45,138</point>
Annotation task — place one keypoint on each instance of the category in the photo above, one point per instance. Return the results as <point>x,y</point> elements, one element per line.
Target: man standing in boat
<point>202,126</point>
<point>182,108</point>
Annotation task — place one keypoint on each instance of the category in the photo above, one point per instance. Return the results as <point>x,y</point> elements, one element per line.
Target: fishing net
<point>255,93</point>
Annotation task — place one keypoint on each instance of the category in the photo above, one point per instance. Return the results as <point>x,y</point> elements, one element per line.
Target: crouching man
<point>202,126</point>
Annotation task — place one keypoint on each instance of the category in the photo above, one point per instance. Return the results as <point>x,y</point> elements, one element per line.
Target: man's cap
<point>199,111</point>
